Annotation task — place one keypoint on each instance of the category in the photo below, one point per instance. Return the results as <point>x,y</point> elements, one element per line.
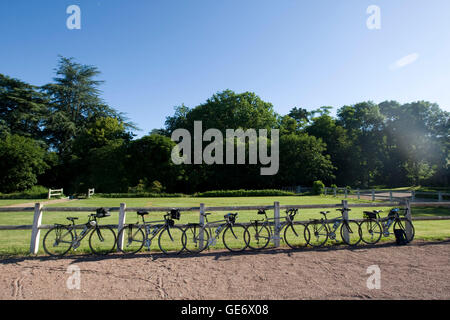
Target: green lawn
<point>17,242</point>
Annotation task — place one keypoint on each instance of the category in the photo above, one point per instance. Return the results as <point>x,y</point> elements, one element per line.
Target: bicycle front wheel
<point>370,231</point>
<point>195,239</point>
<point>257,237</point>
<point>170,240</point>
<point>296,235</point>
<point>405,224</point>
<point>102,240</point>
<point>58,241</point>
<point>234,237</point>
<point>350,233</point>
<point>133,239</point>
<point>318,234</point>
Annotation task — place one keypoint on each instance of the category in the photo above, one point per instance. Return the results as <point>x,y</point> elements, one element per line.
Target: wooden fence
<point>387,195</point>
<point>55,192</point>
<point>39,210</point>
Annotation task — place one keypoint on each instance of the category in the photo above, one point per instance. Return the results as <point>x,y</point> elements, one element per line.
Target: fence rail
<point>55,192</point>
<point>39,209</point>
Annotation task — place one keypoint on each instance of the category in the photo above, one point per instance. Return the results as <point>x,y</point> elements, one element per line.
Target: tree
<point>74,103</point>
<point>22,108</point>
<point>21,161</point>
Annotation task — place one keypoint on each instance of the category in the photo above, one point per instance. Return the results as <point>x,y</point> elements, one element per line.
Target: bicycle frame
<point>88,227</point>
<point>157,228</point>
<point>213,239</point>
<point>273,228</point>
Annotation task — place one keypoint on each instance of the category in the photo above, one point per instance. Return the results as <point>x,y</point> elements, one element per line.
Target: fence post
<point>345,217</point>
<point>359,195</point>
<point>408,228</point>
<point>35,231</point>
<point>390,196</point>
<point>334,191</point>
<point>122,218</point>
<point>276,215</point>
<point>413,195</point>
<point>345,192</point>
<point>49,194</point>
<point>373,195</point>
<point>440,196</point>
<point>325,191</point>
<point>202,222</point>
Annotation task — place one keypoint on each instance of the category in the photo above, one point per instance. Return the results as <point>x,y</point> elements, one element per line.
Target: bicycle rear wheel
<point>102,240</point>
<point>170,240</point>
<point>58,241</point>
<point>192,240</point>
<point>353,235</point>
<point>318,234</point>
<point>133,238</point>
<point>370,231</point>
<point>257,236</point>
<point>234,237</point>
<point>296,235</point>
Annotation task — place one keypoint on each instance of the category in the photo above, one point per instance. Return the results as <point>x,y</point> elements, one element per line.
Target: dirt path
<point>417,271</point>
<point>31,204</point>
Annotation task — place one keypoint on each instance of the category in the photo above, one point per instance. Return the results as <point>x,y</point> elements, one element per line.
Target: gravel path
<point>418,271</point>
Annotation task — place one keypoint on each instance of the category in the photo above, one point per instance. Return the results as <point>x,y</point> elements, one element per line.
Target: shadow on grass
<point>215,254</point>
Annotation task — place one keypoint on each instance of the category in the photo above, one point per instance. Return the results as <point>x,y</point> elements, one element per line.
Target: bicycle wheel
<point>257,237</point>
<point>352,228</point>
<point>58,241</point>
<point>234,237</point>
<point>370,231</point>
<point>296,235</point>
<point>133,238</point>
<point>403,223</point>
<point>192,240</point>
<point>102,240</point>
<point>318,234</point>
<point>170,240</point>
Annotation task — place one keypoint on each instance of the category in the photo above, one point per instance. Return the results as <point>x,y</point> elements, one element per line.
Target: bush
<point>140,195</point>
<point>333,186</point>
<point>318,187</point>
<point>36,192</point>
<point>156,187</point>
<point>244,193</point>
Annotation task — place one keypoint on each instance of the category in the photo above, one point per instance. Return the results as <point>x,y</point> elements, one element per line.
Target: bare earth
<point>418,271</point>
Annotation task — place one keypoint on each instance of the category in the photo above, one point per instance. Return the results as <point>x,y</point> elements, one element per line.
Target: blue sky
<point>155,55</point>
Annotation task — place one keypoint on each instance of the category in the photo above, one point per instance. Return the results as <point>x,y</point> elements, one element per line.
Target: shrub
<point>318,187</point>
<point>244,193</point>
<point>333,186</point>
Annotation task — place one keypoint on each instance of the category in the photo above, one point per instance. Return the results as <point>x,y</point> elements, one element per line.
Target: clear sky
<point>157,54</point>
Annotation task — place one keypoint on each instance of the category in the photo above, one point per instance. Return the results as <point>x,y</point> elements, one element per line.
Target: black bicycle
<point>260,232</point>
<point>197,237</point>
<point>373,227</point>
<point>136,236</point>
<point>320,230</point>
<point>61,238</point>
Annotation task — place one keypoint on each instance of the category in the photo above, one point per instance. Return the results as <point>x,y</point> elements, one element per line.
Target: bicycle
<point>61,238</point>
<point>136,236</point>
<point>197,237</point>
<point>320,230</point>
<point>373,227</point>
<point>260,232</point>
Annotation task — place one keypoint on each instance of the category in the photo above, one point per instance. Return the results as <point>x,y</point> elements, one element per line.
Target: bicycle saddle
<point>206,213</point>
<point>324,212</point>
<point>71,218</point>
<point>142,213</point>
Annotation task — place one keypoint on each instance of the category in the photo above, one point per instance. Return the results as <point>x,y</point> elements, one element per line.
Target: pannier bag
<point>230,217</point>
<point>370,215</point>
<point>102,213</point>
<point>393,212</point>
<point>175,214</point>
<point>400,237</point>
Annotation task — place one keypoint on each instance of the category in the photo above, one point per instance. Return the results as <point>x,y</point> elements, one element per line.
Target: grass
<point>17,242</point>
